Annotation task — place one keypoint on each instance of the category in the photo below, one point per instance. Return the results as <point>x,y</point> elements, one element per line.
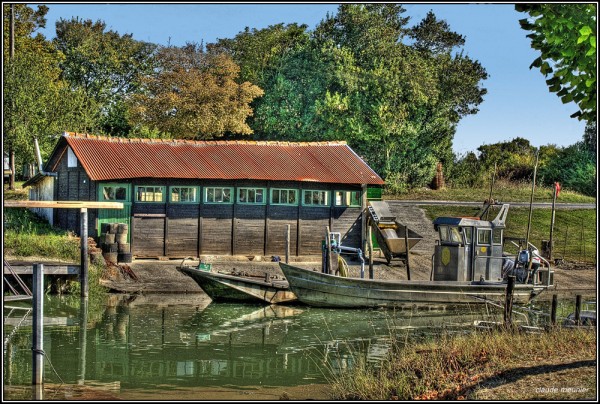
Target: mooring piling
<point>509,301</point>
<point>553,310</point>
<point>37,347</point>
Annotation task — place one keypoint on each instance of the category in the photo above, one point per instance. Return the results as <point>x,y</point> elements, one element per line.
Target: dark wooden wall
<point>180,230</point>
<point>73,184</point>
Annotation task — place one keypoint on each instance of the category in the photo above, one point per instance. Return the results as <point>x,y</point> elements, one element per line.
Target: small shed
<point>192,198</point>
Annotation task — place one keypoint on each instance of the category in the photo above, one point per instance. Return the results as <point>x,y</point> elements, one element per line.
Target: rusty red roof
<point>114,158</point>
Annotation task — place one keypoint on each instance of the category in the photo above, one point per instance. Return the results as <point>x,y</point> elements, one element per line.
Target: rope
<point>41,352</point>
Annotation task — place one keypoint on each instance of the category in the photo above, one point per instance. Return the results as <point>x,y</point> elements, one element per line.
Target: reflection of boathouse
<point>189,198</point>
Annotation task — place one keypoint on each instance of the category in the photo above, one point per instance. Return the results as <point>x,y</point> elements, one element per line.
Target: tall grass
<point>27,234</point>
<point>454,366</point>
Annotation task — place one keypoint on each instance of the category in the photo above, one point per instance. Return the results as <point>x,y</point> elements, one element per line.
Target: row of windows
<point>278,196</point>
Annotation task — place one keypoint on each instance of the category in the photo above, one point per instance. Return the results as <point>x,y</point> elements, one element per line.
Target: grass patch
<point>27,234</point>
<point>574,234</point>
<point>18,194</point>
<point>456,366</point>
<point>503,191</point>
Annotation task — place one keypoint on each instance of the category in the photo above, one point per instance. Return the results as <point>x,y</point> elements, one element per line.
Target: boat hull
<point>223,287</point>
<point>324,290</point>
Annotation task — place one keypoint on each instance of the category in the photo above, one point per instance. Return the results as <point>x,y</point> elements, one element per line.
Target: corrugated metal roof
<point>112,158</point>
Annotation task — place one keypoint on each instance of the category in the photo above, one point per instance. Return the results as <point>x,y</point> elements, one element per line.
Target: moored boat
<point>239,287</point>
<point>468,267</point>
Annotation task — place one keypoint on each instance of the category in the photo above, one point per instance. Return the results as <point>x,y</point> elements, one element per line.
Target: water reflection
<point>162,342</point>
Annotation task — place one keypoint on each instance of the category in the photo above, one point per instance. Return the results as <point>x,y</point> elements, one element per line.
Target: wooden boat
<point>467,268</point>
<point>238,287</point>
<point>324,290</point>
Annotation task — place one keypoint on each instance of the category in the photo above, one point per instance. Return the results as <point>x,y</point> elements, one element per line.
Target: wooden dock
<point>26,268</point>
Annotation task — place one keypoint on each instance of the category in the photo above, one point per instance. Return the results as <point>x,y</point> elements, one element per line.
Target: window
<point>251,195</point>
<point>450,234</point>
<point>347,198</point>
<point>71,158</point>
<point>113,192</point>
<point>149,194</point>
<point>468,234</point>
<point>218,194</point>
<point>284,196</point>
<point>315,198</point>
<point>497,236</point>
<point>184,194</point>
<point>484,236</point>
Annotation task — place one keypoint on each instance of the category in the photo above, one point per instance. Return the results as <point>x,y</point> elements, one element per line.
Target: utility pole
<point>531,199</point>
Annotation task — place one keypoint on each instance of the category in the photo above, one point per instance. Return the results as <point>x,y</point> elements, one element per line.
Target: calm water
<point>158,343</point>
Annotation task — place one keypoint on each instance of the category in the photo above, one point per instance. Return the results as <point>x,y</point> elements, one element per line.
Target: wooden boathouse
<point>193,198</point>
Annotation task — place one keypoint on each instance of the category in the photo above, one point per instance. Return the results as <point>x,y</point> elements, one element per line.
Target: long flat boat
<point>469,266</point>
<point>324,290</point>
<point>240,288</point>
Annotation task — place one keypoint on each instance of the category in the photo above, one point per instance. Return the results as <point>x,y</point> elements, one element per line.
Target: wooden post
<point>83,273</point>
<point>287,244</point>
<point>508,301</point>
<point>551,241</point>
<point>407,253</point>
<point>553,310</point>
<point>370,245</point>
<point>38,325</point>
<point>578,310</point>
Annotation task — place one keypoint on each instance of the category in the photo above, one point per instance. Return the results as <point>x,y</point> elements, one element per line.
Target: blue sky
<point>518,103</point>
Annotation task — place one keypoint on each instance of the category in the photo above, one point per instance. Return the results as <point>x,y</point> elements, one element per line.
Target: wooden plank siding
<point>177,230</point>
<point>73,184</point>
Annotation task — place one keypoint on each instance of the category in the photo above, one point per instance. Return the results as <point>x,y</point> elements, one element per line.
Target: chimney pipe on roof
<point>38,154</point>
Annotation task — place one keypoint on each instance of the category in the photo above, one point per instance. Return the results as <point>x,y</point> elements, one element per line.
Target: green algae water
<point>156,347</point>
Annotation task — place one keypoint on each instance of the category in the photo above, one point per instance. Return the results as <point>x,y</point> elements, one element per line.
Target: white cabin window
<point>71,158</point>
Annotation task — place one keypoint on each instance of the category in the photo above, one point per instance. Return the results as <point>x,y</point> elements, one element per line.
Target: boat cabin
<point>469,249</point>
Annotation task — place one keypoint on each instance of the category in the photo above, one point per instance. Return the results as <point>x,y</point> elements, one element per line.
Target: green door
<point>115,192</point>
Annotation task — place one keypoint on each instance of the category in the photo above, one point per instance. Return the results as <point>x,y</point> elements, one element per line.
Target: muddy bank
<point>154,276</point>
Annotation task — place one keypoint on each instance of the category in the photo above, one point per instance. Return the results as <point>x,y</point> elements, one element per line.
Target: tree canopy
<point>565,35</point>
<point>194,95</point>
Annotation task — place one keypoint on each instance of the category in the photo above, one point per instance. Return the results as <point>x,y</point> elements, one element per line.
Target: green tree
<point>105,65</point>
<point>194,95</point>
<point>574,167</point>
<point>36,101</point>
<point>565,35</point>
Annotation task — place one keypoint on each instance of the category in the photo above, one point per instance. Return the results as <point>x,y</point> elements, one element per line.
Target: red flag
<point>557,187</point>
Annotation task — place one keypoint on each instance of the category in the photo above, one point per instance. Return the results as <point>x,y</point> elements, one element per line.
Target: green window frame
<point>218,195</point>
<point>316,198</point>
<point>150,193</point>
<point>113,192</point>
<point>284,196</point>
<point>252,196</point>
<point>348,198</point>
<point>184,194</point>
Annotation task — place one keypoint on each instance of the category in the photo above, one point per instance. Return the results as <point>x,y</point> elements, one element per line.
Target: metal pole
<point>287,244</point>
<point>370,245</point>
<point>487,212</point>
<point>38,325</point>
<point>531,199</point>
<point>83,272</point>
<point>407,252</point>
<point>551,241</point>
<point>83,315</point>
